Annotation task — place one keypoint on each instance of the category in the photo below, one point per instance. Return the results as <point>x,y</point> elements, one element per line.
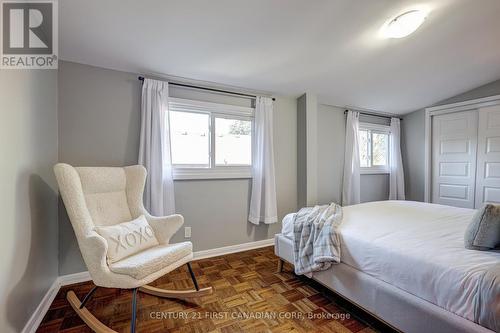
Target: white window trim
<point>216,110</point>
<point>233,172</point>
<point>181,104</point>
<point>376,170</point>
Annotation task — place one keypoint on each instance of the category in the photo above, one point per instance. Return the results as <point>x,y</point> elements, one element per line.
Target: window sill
<point>374,172</point>
<point>212,173</point>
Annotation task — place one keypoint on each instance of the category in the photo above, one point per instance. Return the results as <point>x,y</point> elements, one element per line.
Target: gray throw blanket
<point>316,241</point>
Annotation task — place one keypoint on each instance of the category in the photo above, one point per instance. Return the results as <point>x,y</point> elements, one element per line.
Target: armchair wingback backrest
<point>96,196</point>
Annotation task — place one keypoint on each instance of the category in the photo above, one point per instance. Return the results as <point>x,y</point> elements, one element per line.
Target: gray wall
<point>331,138</point>
<point>307,150</point>
<point>301,151</point>
<point>489,89</point>
<point>331,143</point>
<point>99,126</point>
<point>28,199</point>
<point>374,187</point>
<point>413,139</point>
<point>413,154</point>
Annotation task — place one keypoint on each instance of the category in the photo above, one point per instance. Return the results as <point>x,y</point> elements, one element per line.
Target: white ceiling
<point>328,47</point>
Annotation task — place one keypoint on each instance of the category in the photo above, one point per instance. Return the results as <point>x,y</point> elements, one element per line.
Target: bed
<point>405,263</point>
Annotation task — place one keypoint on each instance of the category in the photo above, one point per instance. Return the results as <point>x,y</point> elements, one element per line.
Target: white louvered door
<point>454,144</point>
<point>488,156</point>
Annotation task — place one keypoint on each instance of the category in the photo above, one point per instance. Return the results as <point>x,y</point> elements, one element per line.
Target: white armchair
<point>103,196</point>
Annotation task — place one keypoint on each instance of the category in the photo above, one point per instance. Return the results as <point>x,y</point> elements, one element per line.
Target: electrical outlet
<point>187,232</point>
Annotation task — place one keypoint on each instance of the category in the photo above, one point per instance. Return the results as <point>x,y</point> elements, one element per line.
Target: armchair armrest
<point>94,249</point>
<point>97,245</point>
<point>165,227</point>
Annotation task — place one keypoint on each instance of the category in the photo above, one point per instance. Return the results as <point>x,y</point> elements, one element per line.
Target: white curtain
<point>154,150</point>
<point>263,199</point>
<point>351,179</point>
<point>397,178</point>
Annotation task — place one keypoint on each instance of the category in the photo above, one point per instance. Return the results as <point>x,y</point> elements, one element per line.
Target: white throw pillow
<point>127,238</point>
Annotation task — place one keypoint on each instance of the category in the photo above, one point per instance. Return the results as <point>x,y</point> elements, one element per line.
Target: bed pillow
<point>127,238</point>
<point>483,233</point>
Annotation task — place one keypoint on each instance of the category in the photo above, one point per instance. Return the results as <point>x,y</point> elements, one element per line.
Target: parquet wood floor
<point>248,297</point>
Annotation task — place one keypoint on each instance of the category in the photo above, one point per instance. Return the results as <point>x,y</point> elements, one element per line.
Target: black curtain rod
<point>141,78</point>
<point>372,114</point>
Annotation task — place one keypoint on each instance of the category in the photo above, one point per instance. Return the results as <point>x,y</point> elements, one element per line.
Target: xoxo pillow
<point>128,238</point>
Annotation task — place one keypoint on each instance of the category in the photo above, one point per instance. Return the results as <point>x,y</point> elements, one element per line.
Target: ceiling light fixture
<point>404,24</point>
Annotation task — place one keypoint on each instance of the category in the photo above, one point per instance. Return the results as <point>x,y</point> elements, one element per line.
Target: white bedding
<point>287,225</point>
<point>417,247</point>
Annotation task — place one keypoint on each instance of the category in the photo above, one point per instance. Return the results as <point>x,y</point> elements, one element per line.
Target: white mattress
<point>417,247</point>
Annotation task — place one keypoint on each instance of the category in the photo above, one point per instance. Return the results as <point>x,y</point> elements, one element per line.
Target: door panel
<point>493,144</point>
<point>492,170</point>
<point>460,146</point>
<point>454,169</point>
<point>454,145</point>
<point>454,191</point>
<point>488,156</point>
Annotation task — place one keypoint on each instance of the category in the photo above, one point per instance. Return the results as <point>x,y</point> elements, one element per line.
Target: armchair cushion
<point>105,192</point>
<point>152,260</point>
<point>127,238</point>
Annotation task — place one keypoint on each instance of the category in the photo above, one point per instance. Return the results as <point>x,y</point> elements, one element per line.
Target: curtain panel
<point>263,198</point>
<point>154,149</point>
<point>396,176</point>
<point>351,178</point>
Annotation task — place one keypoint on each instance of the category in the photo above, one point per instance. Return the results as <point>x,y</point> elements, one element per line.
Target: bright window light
<point>233,142</point>
<point>374,148</point>
<point>190,138</point>
<point>405,24</point>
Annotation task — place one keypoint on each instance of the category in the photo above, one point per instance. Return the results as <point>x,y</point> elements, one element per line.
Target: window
<point>233,142</point>
<point>190,139</point>
<point>374,148</point>
<point>210,140</point>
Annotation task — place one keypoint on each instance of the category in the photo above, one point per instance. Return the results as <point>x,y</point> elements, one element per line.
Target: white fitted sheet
<point>417,247</point>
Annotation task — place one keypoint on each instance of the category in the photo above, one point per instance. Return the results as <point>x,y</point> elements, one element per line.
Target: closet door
<point>488,156</point>
<point>454,143</point>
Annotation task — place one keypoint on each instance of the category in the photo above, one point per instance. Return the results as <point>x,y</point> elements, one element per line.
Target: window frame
<point>381,129</point>
<point>213,110</point>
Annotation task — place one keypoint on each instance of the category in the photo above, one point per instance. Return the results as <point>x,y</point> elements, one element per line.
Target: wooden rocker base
<point>97,326</point>
<point>87,317</point>
<point>94,323</point>
<point>147,289</point>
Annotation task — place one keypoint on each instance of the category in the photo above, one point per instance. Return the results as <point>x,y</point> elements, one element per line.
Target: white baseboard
<point>42,308</point>
<point>68,279</point>
<point>232,249</point>
<point>64,280</point>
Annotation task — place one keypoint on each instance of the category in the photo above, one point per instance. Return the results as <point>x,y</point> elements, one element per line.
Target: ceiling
<point>331,48</point>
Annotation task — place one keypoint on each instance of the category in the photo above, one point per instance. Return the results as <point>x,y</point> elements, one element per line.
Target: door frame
<point>444,109</point>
